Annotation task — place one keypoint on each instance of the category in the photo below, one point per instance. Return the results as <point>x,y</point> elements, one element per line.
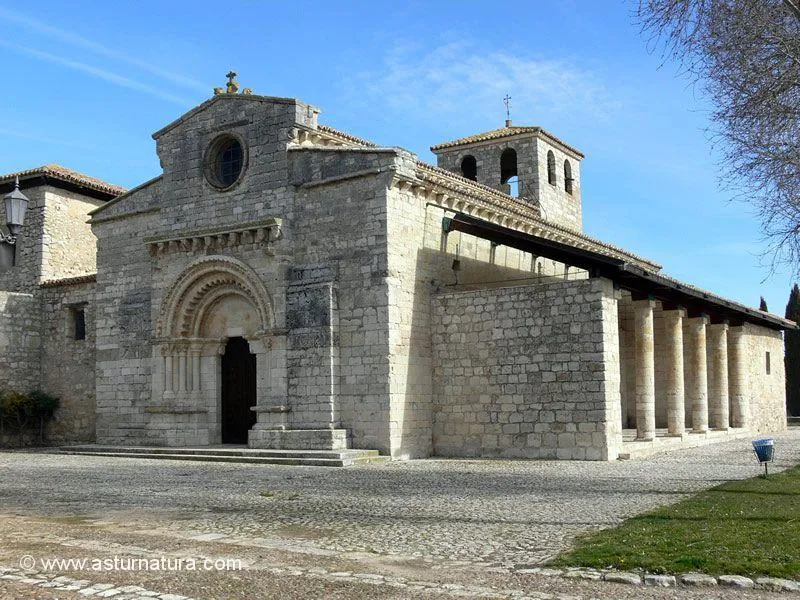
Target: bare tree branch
<point>745,54</point>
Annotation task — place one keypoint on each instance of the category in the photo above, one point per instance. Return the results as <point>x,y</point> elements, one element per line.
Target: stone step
<point>633,449</point>
<point>319,458</point>
<point>221,451</point>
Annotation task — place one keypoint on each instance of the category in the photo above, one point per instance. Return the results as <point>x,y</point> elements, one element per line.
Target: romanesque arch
<point>202,287</point>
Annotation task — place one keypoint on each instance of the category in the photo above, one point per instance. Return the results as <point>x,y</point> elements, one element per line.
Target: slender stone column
<point>737,378</point>
<point>182,370</point>
<point>697,374</point>
<point>718,400</point>
<point>195,369</point>
<point>644,367</point>
<point>169,378</point>
<point>673,363</point>
<point>164,376</point>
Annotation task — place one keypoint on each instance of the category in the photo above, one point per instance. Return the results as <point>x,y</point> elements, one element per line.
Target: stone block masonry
<point>529,371</point>
<point>20,341</point>
<point>68,360</point>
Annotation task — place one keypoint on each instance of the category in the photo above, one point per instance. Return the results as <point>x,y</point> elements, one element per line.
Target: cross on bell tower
<point>507,102</point>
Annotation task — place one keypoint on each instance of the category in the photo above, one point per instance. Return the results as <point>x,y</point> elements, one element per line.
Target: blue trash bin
<point>764,449</point>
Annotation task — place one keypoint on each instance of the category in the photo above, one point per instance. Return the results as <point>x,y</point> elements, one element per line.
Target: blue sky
<point>86,83</point>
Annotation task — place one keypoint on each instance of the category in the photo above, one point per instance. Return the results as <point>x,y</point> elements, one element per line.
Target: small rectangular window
<point>79,320</point>
<point>768,365</point>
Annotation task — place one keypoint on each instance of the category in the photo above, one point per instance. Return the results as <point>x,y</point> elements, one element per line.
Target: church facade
<point>286,285</point>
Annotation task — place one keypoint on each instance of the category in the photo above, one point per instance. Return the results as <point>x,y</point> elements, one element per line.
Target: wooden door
<point>238,391</point>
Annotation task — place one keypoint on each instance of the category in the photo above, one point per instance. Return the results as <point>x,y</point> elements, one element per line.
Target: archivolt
<point>202,285</point>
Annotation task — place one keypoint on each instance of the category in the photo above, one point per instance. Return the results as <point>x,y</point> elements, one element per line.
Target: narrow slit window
<point>79,324</point>
<point>551,168</point>
<point>769,368</point>
<point>567,177</point>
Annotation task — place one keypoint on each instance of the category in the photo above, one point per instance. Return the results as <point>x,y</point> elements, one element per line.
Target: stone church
<point>285,285</point>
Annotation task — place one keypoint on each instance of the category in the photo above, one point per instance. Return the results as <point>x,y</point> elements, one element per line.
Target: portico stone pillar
<point>718,411</point>
<point>737,378</point>
<point>673,367</point>
<point>644,367</point>
<point>696,374</point>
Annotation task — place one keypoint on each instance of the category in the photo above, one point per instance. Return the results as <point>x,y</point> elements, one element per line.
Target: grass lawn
<point>749,527</point>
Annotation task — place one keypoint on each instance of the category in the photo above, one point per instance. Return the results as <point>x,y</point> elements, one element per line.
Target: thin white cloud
<point>23,135</point>
<point>81,42</point>
<point>108,76</point>
<point>457,78</point>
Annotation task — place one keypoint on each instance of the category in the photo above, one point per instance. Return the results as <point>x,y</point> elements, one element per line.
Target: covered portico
<point>690,364</point>
<point>685,362</point>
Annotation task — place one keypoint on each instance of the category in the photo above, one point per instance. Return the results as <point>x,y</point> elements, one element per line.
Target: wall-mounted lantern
<point>16,203</point>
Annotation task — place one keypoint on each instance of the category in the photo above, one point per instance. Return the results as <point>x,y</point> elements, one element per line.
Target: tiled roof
<point>500,133</point>
<point>68,175</point>
<point>346,136</point>
<point>567,235</point>
<point>90,278</point>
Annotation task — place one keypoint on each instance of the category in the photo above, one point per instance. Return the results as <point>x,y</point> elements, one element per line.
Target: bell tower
<point>525,162</point>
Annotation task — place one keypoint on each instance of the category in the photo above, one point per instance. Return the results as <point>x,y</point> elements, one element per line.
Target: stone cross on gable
<point>233,85</point>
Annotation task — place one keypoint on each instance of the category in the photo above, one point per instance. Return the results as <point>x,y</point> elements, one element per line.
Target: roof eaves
<point>503,132</point>
<point>515,203</point>
<point>346,136</point>
<point>59,173</point>
<point>88,278</point>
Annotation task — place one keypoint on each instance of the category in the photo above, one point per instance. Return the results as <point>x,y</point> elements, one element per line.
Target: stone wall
<point>555,203</point>
<point>529,371</point>
<point>35,336</point>
<point>767,390</point>
<point>420,262</point>
<point>55,242</point>
<point>122,318</point>
<point>338,237</point>
<point>69,247</point>
<point>20,342</point>
<point>26,273</point>
<point>68,364</point>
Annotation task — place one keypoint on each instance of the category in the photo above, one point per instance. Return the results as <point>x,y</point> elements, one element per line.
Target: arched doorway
<point>215,352</point>
<point>238,393</point>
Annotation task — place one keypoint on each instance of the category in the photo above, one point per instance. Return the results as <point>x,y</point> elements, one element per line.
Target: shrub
<point>44,407</point>
<point>18,411</point>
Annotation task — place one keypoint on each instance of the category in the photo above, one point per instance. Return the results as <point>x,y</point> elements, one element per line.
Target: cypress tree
<point>791,339</point>
<point>763,305</point>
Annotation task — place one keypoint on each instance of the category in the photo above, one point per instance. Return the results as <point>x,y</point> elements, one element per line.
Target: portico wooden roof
<point>641,283</point>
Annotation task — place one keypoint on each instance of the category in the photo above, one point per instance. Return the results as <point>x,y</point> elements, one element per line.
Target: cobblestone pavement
<point>445,522</point>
